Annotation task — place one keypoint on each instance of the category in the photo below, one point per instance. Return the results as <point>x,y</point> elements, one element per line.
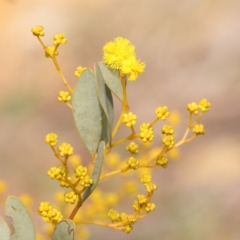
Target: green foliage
<point>64,230</point>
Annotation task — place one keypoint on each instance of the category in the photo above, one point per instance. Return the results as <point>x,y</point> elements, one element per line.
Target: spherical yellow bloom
<point>133,68</point>
<point>193,108</point>
<point>162,112</point>
<point>59,39</point>
<point>129,119</point>
<point>168,141</point>
<point>168,130</point>
<point>150,207</point>
<point>162,161</point>
<point>132,147</point>
<point>133,163</point>
<point>65,149</point>
<point>123,217</point>
<point>120,54</point>
<point>113,215</point>
<point>199,129</point>
<point>38,31</point>
<point>63,183</point>
<point>51,139</point>
<point>146,132</point>
<point>79,71</point>
<point>70,197</point>
<point>136,205</point>
<point>204,105</point>
<point>64,96</point>
<point>50,52</point>
<point>131,218</point>
<point>114,53</point>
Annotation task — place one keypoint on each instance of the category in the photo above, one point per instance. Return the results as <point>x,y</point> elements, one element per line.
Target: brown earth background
<point>192,51</point>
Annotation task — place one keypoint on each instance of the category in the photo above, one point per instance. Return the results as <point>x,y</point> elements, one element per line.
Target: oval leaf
<point>87,111</point>
<point>5,232</point>
<point>21,219</point>
<point>112,79</point>
<point>106,101</point>
<point>96,171</point>
<point>64,230</point>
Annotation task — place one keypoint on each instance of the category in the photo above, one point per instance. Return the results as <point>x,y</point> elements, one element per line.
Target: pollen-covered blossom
<point>120,54</point>
<point>146,132</point>
<point>80,172</point>
<point>162,112</point>
<point>59,39</point>
<point>51,139</point>
<point>129,119</point>
<point>141,199</point>
<point>79,71</point>
<point>65,149</point>
<point>204,105</point>
<point>146,178</point>
<point>133,163</point>
<point>199,129</point>
<point>193,108</point>
<point>132,147</point>
<point>48,213</point>
<point>64,96</point>
<point>38,31</point>
<point>162,161</point>
<point>127,228</point>
<point>70,197</point>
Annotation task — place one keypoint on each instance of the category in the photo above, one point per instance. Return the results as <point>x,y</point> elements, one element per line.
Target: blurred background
<point>192,51</point>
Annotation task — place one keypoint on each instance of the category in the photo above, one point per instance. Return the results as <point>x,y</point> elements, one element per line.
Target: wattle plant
<point>91,102</point>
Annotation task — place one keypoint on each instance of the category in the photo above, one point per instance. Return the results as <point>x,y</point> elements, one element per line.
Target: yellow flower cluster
<point>48,213</point>
<point>132,147</point>
<point>133,163</point>
<point>127,220</point>
<point>85,179</point>
<point>38,31</point>
<point>51,139</point>
<point>193,108</point>
<point>168,141</point>
<point>168,130</point>
<point>204,105</point>
<point>50,52</point>
<point>70,197</point>
<point>57,172</point>
<point>146,133</point>
<point>147,182</point>
<point>162,112</point>
<point>162,161</point>
<point>79,71</point>
<point>142,202</point>
<point>59,39</point>
<point>64,96</point>
<point>150,207</point>
<point>65,149</point>
<point>120,54</point>
<point>199,129</point>
<point>129,119</point>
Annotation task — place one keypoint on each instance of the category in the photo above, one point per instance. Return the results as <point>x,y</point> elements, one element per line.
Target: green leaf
<point>112,79</point>
<point>87,111</point>
<point>106,101</point>
<point>5,232</point>
<point>64,230</point>
<point>21,219</point>
<point>96,171</point>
